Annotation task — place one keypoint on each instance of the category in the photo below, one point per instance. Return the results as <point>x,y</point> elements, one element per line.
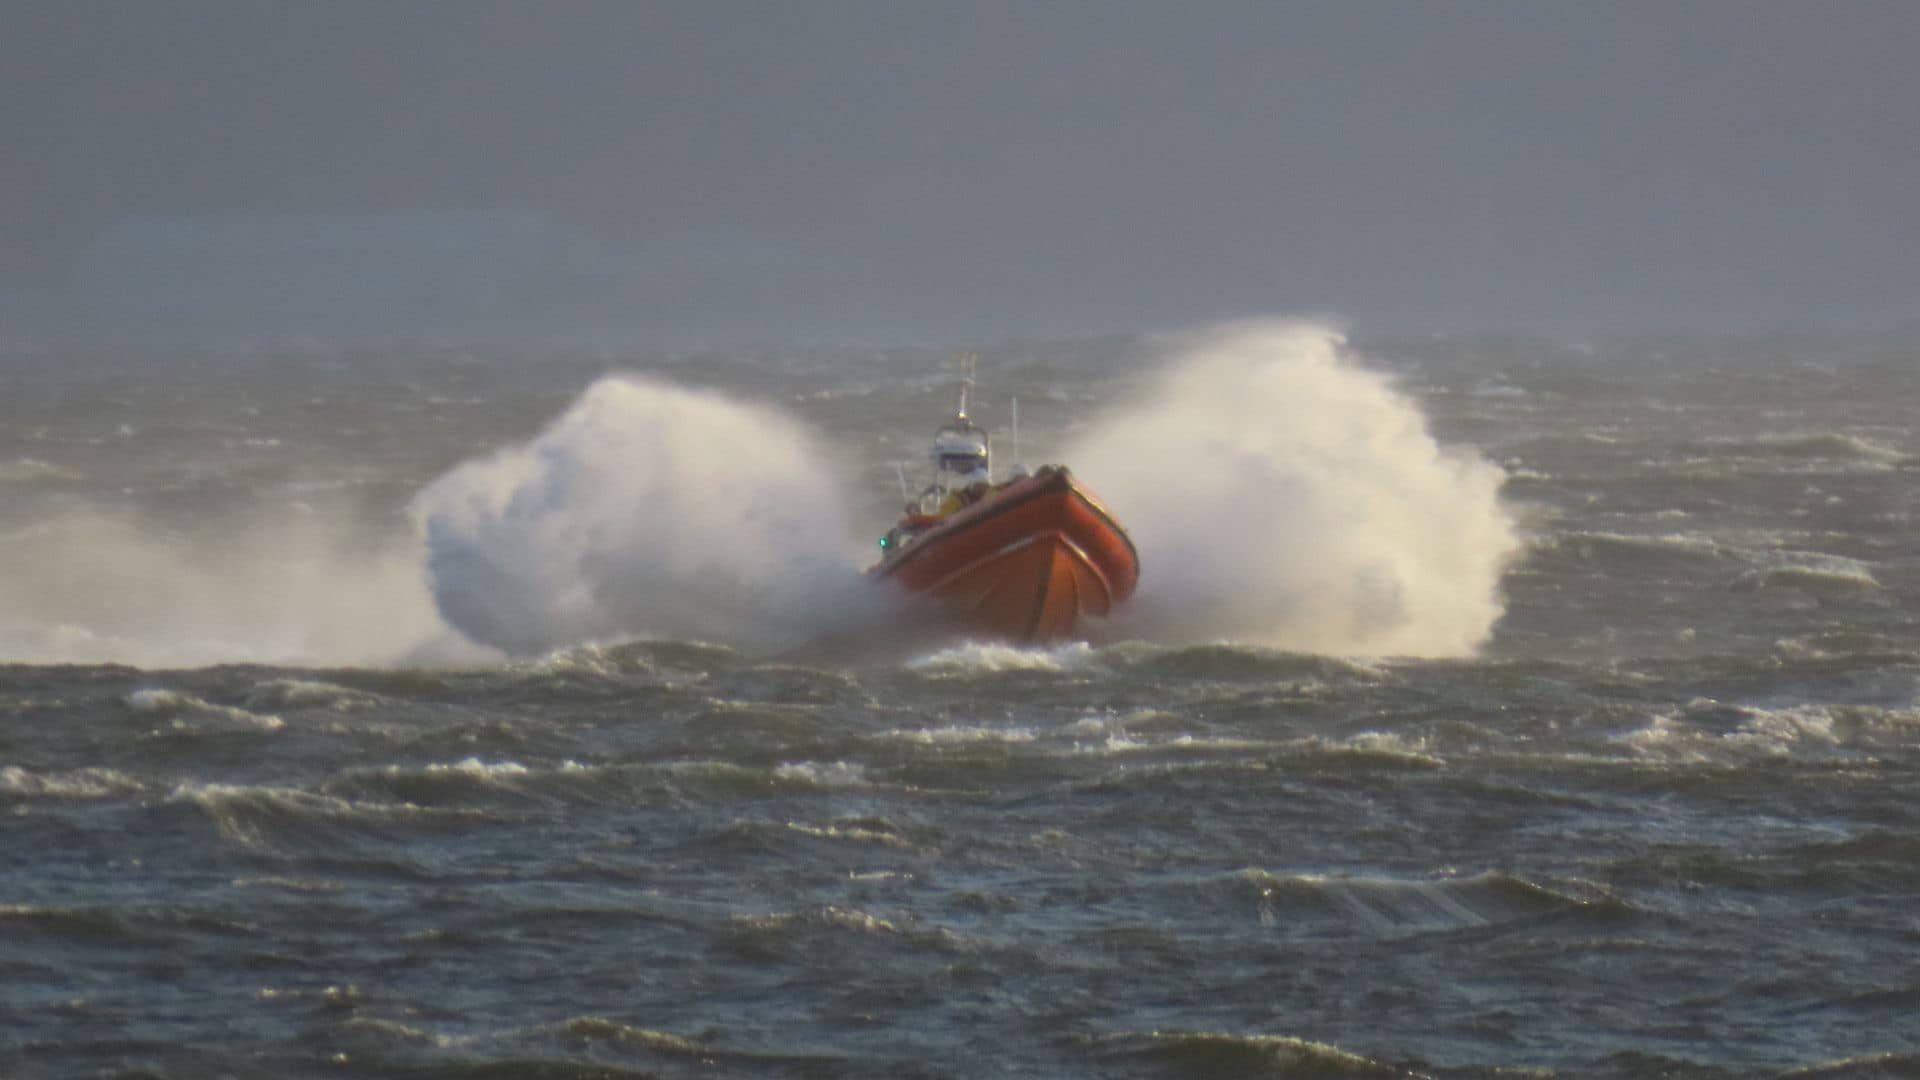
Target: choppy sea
<point>1663,820</point>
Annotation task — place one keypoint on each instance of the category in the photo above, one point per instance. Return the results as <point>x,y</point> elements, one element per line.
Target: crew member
<point>967,492</point>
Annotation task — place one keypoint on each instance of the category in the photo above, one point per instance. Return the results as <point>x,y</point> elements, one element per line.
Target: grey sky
<point>963,169</point>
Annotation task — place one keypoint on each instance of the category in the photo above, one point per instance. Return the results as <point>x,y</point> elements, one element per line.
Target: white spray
<point>1278,494</point>
<point>646,510</point>
<point>1281,495</point>
<point>289,584</point>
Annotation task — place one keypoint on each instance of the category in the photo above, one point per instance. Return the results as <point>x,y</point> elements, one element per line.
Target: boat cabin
<point>962,455</point>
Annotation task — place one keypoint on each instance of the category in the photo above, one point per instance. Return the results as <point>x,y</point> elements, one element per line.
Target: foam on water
<point>646,510</point>
<point>1388,745</point>
<point>853,833</point>
<point>979,658</point>
<point>1812,571</point>
<point>826,774</point>
<point>1708,731</point>
<point>1280,494</point>
<point>955,734</point>
<point>478,769</point>
<point>309,694</point>
<point>190,713</point>
<point>84,783</point>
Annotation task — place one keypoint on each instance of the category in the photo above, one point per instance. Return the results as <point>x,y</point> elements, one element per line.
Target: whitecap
<point>190,713</point>
<point>833,917</point>
<point>1707,731</point>
<point>1389,744</point>
<point>88,783</point>
<point>855,833</point>
<point>1810,571</point>
<point>988,657</point>
<point>960,733</point>
<point>832,774</point>
<point>308,693</point>
<point>473,766</point>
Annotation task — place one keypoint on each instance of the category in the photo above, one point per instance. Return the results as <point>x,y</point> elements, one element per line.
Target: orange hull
<point>1024,565</point>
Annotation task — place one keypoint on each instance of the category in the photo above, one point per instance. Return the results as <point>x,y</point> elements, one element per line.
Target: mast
<point>967,362</point>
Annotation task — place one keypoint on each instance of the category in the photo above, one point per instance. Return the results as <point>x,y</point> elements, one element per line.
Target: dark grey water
<point>1663,823</point>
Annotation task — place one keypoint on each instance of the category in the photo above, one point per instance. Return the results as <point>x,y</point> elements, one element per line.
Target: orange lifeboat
<point>1024,563</point>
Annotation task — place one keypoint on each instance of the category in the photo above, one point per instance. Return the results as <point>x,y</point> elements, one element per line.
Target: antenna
<point>1016,431</point>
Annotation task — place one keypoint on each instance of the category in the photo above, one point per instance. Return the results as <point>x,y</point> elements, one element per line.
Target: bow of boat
<point>1025,564</point>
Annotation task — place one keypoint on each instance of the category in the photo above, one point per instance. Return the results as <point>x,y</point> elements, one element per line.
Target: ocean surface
<point>268,810</point>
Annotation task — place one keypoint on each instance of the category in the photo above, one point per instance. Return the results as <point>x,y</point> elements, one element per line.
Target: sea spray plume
<point>646,510</point>
<point>1281,495</point>
<point>272,584</point>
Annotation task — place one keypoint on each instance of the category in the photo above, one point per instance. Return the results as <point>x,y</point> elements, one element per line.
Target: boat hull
<point>1026,565</point>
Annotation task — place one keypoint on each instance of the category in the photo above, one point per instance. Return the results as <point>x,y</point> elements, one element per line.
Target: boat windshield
<point>960,448</point>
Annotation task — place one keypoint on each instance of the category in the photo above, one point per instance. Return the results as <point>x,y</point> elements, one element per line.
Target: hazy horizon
<point>674,172</point>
